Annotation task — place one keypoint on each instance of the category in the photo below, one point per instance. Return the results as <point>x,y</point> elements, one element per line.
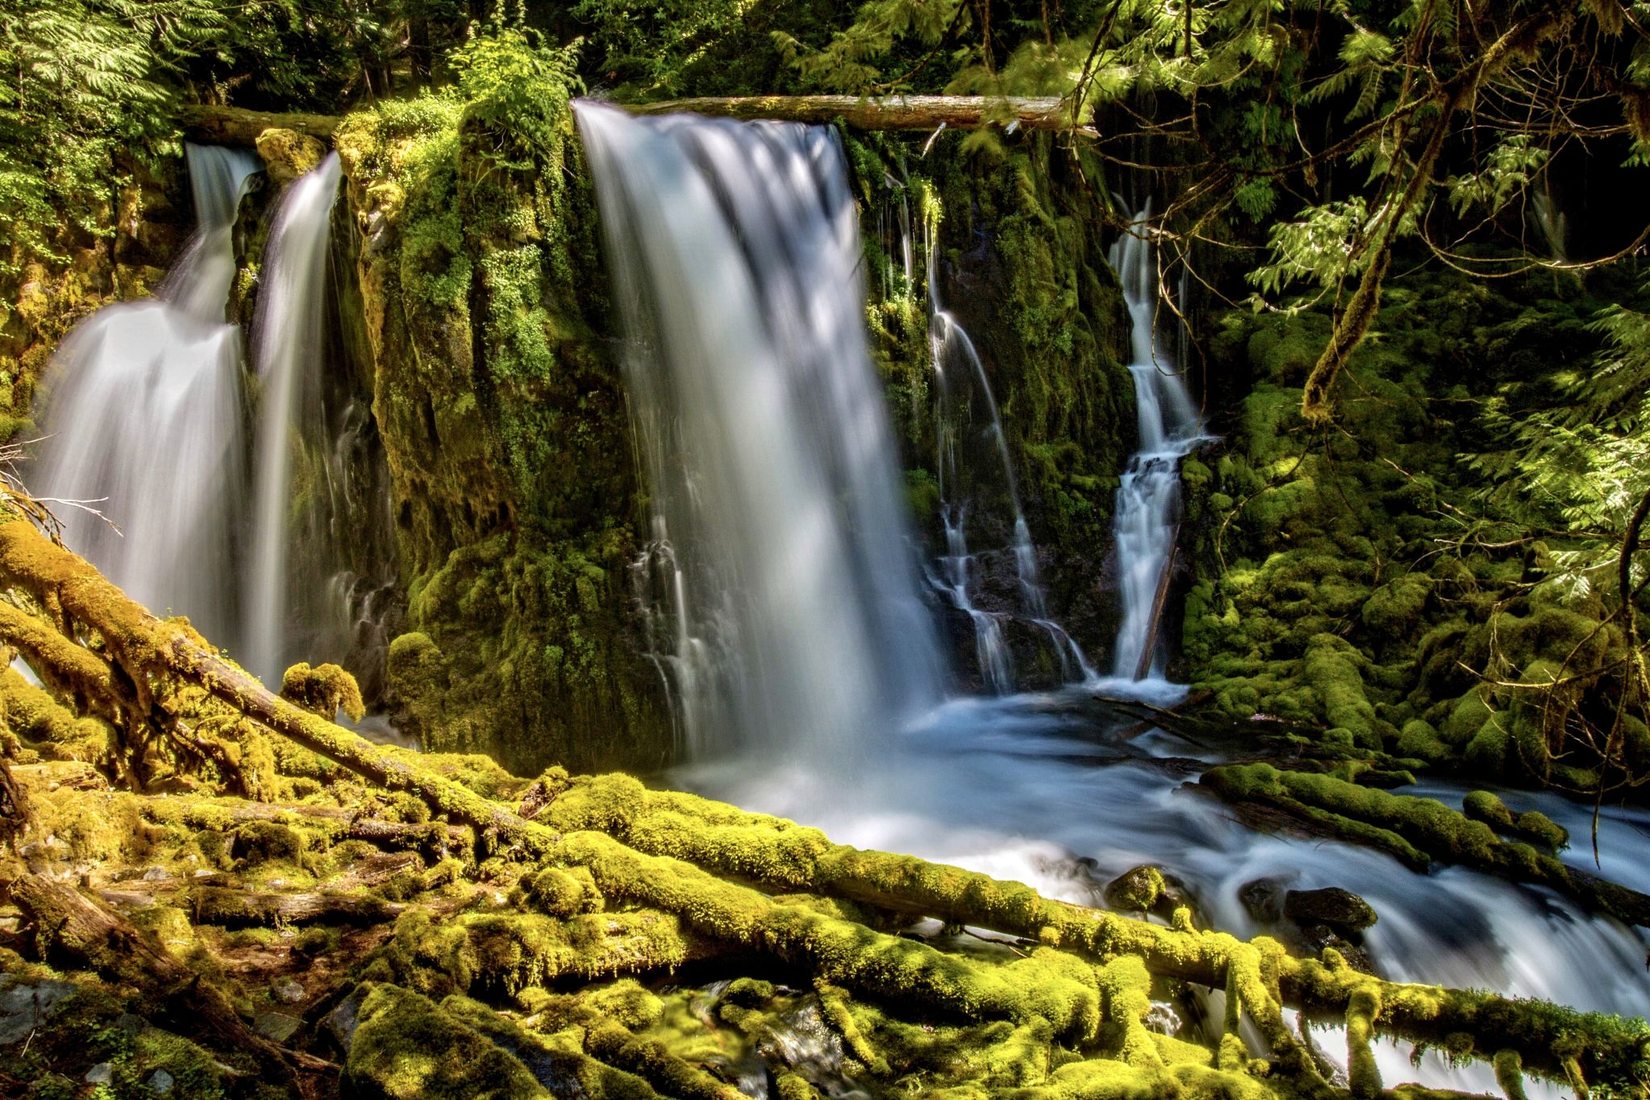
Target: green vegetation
<point>1420,546</point>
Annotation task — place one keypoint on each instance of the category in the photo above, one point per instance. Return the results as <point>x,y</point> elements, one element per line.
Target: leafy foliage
<point>86,94</point>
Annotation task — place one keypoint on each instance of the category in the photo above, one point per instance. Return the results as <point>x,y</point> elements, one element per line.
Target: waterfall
<point>973,462</point>
<point>791,622</point>
<point>1147,515</point>
<point>143,421</point>
<point>288,338</point>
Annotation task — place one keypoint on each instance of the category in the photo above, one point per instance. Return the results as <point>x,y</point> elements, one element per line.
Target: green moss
<point>1137,890</point>
<point>500,411</point>
<point>325,689</point>
<point>406,1048</point>
<point>1421,827</point>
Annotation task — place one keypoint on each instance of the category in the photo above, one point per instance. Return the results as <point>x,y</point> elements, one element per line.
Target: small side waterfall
<point>1147,517</point>
<point>144,422</point>
<point>973,463</point>
<point>791,622</point>
<point>288,336</point>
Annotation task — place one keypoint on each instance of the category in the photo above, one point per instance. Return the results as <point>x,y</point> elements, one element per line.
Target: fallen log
<point>654,850</point>
<point>245,909</point>
<point>216,125</point>
<point>913,112</point>
<point>238,126</point>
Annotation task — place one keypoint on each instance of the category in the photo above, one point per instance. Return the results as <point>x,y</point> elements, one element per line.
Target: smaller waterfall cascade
<point>974,463</point>
<point>1148,500</point>
<point>790,617</point>
<point>143,421</point>
<point>289,337</point>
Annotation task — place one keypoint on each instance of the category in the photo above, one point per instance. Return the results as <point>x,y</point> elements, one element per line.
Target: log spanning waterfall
<point>144,423</point>
<point>1147,517</point>
<point>792,623</point>
<point>288,336</point>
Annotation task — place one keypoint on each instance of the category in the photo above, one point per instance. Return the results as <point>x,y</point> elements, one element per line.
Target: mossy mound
<point>1346,583</point>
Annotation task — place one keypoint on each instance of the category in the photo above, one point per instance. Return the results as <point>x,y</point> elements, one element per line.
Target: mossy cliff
<point>502,420</point>
<point>1020,232</point>
<point>1356,580</point>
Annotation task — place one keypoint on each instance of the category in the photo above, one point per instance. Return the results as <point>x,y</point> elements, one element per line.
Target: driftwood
<point>721,873</point>
<point>238,126</point>
<point>1160,600</point>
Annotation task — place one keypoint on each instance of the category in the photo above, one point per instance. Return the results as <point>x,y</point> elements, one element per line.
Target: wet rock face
<point>1313,920</point>
<point>1340,909</point>
<point>1263,899</point>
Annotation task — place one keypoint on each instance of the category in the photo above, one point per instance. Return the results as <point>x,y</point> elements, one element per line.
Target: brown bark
<point>1159,600</point>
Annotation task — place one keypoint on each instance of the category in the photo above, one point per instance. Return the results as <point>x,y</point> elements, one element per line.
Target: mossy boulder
<point>287,154</point>
<point>503,423</point>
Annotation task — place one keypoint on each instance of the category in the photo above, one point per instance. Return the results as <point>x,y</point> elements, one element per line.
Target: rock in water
<point>1338,908</point>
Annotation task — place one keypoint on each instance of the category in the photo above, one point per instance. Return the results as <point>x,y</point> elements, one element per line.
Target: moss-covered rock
<point>504,428</point>
<point>1345,582</point>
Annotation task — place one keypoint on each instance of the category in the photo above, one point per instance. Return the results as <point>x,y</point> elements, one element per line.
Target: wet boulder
<point>1340,909</point>
<point>1137,890</point>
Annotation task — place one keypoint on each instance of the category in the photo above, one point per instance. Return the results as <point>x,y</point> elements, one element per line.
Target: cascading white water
<point>781,546</point>
<point>959,380</point>
<point>143,420</point>
<point>1147,514</point>
<point>288,337</point>
<point>1029,788</point>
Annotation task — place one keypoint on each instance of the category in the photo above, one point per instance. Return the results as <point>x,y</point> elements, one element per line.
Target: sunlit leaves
<point>1318,247</point>
<point>1506,172</point>
<point>1578,464</point>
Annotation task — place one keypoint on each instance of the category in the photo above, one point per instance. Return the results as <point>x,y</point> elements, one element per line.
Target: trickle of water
<point>790,603</point>
<point>288,335</point>
<point>974,463</point>
<point>1147,517</point>
<point>143,420</point>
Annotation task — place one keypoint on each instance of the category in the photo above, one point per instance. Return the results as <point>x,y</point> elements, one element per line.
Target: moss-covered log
<point>239,126</point>
<point>601,825</point>
<point>913,112</point>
